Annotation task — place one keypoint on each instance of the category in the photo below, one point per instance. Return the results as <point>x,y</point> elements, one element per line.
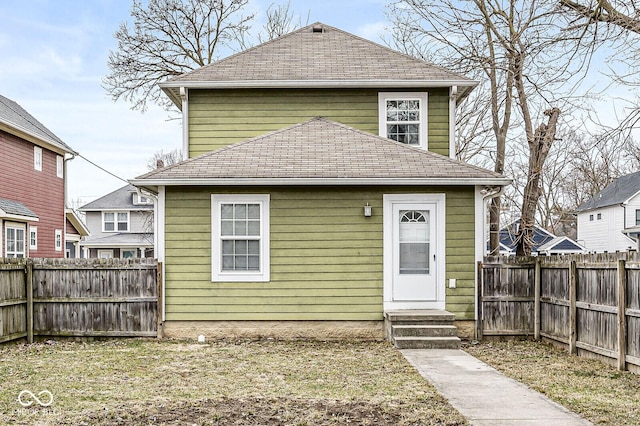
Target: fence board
<point>78,297</point>
<point>597,316</point>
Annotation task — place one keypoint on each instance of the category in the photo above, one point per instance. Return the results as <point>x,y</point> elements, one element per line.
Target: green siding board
<point>325,249</point>
<point>218,118</point>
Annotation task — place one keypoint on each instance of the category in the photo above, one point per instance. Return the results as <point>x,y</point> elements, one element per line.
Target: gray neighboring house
<point>121,225</point>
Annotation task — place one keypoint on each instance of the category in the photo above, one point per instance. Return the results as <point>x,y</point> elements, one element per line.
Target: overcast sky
<point>54,55</point>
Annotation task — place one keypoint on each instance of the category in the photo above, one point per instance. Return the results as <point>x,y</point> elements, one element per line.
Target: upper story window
<point>58,239</point>
<point>240,237</point>
<point>14,241</point>
<point>33,238</point>
<point>37,158</point>
<point>637,217</point>
<point>59,166</point>
<point>590,218</point>
<point>599,216</point>
<point>115,222</point>
<point>403,117</point>
<point>141,199</point>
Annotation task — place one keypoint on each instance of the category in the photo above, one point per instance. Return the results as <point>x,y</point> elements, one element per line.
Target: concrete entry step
<point>421,329</point>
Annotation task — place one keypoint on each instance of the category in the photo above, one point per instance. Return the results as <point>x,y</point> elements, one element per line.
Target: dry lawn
<point>137,381</point>
<point>596,391</point>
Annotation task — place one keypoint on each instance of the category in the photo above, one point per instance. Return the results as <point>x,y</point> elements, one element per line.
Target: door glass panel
<point>414,242</point>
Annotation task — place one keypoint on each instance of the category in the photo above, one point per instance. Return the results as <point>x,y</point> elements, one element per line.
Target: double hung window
<point>403,117</point>
<point>240,240</point>
<point>115,221</point>
<point>14,242</point>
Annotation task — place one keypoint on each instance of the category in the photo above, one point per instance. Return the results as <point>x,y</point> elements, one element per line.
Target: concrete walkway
<point>485,396</point>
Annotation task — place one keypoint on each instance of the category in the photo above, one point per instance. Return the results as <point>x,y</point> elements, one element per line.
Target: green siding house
<point>318,192</point>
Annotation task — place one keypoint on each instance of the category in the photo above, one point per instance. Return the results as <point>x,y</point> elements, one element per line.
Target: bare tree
<point>612,25</point>
<point>281,20</point>
<point>168,38</point>
<point>164,159</point>
<point>518,48</point>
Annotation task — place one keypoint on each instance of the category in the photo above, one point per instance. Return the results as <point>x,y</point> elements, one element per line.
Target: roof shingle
<point>15,116</point>
<point>316,58</point>
<point>319,149</point>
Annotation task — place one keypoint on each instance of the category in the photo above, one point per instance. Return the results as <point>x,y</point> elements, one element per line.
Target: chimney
<point>159,164</point>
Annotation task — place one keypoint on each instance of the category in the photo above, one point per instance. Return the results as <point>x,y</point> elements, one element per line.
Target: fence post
<point>479,302</point>
<point>536,300</point>
<point>573,335</point>
<point>160,302</point>
<point>29,291</point>
<point>622,315</point>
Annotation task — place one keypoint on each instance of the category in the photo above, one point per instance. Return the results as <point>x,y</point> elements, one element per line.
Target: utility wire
<point>102,168</point>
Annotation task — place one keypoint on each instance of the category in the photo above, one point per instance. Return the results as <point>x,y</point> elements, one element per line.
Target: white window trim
<point>16,226</point>
<point>217,275</point>
<point>382,113</point>
<point>37,158</point>
<point>57,237</point>
<point>33,229</point>
<point>387,236</point>
<point>101,252</point>
<point>115,221</point>
<point>59,166</point>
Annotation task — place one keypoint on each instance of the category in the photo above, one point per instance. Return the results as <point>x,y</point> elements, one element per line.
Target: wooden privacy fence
<point>590,303</point>
<point>78,297</point>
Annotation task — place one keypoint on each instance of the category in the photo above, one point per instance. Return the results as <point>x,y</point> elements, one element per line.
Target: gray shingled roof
<point>119,239</point>
<point>318,150</point>
<point>16,208</point>
<point>120,199</point>
<point>317,59</point>
<point>16,117</point>
<point>617,192</point>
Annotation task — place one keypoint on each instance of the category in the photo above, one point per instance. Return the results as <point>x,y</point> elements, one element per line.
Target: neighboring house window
<point>115,221</point>
<point>59,166</point>
<point>58,240</point>
<point>33,238</point>
<point>37,158</point>
<point>128,254</point>
<point>599,216</point>
<point>638,217</point>
<point>240,237</point>
<point>403,117</point>
<point>14,242</point>
<point>141,200</point>
<point>105,254</point>
<point>590,218</point>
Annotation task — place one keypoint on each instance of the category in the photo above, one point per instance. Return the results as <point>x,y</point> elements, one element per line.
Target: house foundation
<point>282,330</point>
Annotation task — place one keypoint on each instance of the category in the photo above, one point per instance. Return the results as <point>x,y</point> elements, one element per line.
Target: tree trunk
<point>539,148</point>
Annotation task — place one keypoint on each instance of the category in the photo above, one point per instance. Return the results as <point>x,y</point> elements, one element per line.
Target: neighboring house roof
<point>561,245</point>
<point>10,209</point>
<point>76,222</point>
<point>318,56</point>
<point>120,199</point>
<point>15,120</point>
<point>617,192</point>
<point>543,241</point>
<point>119,240</point>
<point>320,151</point>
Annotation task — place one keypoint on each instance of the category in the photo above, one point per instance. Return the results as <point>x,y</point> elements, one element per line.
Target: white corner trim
<point>480,232</point>
<point>453,98</point>
<point>159,236</point>
<point>184,96</point>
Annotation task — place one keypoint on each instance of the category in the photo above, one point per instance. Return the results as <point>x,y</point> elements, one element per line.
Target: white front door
<point>414,251</point>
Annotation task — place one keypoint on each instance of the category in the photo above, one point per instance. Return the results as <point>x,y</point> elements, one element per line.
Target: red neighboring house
<point>32,185</point>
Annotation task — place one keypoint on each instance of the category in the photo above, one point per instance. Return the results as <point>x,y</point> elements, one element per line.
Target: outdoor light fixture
<point>367,210</point>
